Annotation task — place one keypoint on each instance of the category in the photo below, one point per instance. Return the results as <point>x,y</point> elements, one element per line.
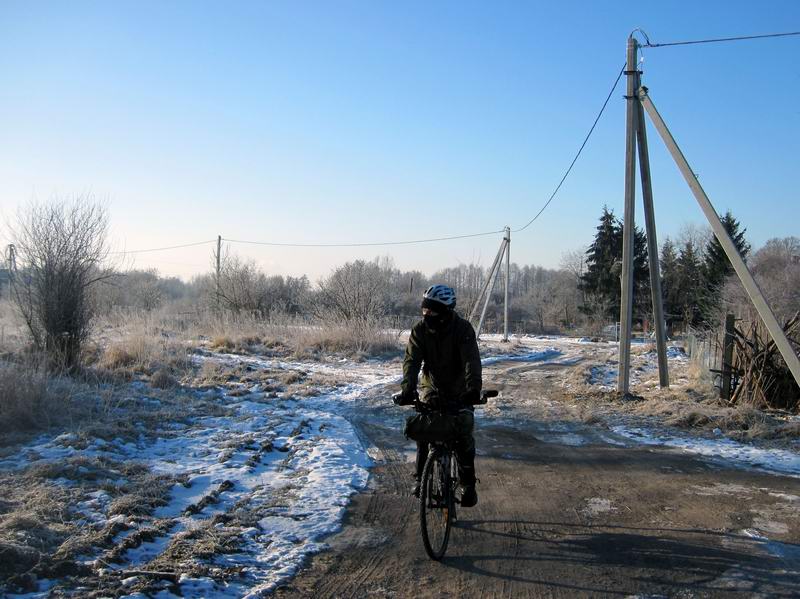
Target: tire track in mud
<point>553,520</point>
<point>393,465</point>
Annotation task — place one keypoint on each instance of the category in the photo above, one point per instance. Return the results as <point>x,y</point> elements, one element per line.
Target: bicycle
<point>437,498</point>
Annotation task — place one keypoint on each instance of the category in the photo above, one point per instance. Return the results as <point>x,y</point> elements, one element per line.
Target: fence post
<point>727,358</point>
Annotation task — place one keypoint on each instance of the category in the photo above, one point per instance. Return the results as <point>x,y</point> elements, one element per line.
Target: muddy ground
<point>565,510</point>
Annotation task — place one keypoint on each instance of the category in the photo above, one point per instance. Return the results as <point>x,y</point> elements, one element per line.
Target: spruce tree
<point>601,282</point>
<point>717,267</point>
<point>670,281</point>
<point>691,285</point>
<point>601,279</point>
<point>643,306</point>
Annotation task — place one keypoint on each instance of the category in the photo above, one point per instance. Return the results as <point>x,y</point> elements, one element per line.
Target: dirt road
<point>565,520</point>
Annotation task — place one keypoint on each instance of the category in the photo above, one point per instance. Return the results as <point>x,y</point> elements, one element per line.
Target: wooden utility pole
<point>626,304</point>
<point>745,276</point>
<point>508,278</point>
<point>652,242</point>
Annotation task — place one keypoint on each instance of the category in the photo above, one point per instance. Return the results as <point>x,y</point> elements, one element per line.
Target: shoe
<point>469,497</point>
<point>415,490</point>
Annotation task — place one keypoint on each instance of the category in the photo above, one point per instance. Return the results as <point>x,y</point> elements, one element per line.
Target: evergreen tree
<point>670,281</point>
<point>717,267</point>
<point>690,281</point>
<point>642,302</point>
<point>601,279</point>
<point>601,282</point>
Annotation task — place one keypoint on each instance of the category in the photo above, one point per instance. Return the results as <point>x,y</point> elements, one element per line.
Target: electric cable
<point>171,247</point>
<point>574,160</point>
<point>369,244</point>
<point>715,40</point>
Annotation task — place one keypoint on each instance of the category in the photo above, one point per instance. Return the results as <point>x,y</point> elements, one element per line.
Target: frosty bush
<point>60,250</point>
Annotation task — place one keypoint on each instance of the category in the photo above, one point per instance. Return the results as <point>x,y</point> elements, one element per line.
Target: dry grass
<point>25,396</point>
<point>12,328</point>
<point>279,335</point>
<point>144,354</point>
<point>36,521</point>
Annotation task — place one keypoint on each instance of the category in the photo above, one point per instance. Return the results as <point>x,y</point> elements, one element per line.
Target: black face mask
<point>434,322</point>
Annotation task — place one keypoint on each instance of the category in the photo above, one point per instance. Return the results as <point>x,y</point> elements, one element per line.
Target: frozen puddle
<point>724,450</point>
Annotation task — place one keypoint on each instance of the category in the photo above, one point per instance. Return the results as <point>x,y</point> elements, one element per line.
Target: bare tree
<point>356,291</point>
<point>60,250</point>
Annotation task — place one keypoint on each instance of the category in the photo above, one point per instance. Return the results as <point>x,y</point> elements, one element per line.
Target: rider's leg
<point>465,448</point>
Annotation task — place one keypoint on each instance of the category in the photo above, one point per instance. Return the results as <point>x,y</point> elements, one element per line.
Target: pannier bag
<point>428,428</point>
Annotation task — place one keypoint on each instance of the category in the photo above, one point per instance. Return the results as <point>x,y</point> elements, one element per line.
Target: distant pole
<point>626,304</point>
<point>219,252</point>
<point>508,278</point>
<point>490,288</point>
<point>12,259</point>
<point>745,276</point>
<point>411,285</point>
<point>652,243</point>
<point>485,286</point>
<point>11,264</point>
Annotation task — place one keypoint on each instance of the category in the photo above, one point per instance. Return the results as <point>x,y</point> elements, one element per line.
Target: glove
<point>471,397</point>
<point>406,398</point>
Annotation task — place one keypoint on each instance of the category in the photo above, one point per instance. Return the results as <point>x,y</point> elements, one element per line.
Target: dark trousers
<point>465,450</point>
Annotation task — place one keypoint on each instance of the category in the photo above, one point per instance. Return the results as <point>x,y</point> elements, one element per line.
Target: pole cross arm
<point>753,290</point>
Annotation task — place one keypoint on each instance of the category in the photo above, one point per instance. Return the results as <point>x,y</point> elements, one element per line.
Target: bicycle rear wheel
<point>435,505</point>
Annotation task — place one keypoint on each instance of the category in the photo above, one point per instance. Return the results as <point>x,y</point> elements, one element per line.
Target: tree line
<point>693,272</point>
<point>62,278</point>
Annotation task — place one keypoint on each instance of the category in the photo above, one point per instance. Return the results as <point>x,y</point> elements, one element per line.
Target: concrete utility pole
<point>497,258</point>
<point>491,280</point>
<point>744,274</point>
<point>508,278</point>
<point>652,243</point>
<point>626,304</point>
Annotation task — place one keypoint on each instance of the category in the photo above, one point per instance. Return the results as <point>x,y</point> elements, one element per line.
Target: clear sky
<point>325,122</point>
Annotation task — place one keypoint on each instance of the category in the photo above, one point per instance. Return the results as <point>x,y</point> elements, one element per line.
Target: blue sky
<point>368,121</point>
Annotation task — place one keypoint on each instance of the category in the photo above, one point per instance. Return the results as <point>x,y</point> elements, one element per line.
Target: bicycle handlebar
<point>400,400</point>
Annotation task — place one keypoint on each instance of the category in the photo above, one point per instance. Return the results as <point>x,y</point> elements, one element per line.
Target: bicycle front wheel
<point>435,505</point>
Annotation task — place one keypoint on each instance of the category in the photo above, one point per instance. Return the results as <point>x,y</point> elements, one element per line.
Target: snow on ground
<point>296,462</point>
<point>723,450</point>
<point>541,355</point>
<point>603,377</point>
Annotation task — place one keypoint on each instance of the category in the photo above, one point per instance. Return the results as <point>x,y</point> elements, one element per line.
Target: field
<point>219,466</point>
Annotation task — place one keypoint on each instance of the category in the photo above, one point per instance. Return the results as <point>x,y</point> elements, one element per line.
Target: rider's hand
<point>406,398</point>
<point>471,397</point>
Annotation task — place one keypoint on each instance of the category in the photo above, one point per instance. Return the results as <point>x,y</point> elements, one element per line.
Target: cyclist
<point>444,346</point>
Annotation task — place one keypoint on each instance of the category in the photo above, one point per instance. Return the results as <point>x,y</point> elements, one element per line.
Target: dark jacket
<point>450,362</point>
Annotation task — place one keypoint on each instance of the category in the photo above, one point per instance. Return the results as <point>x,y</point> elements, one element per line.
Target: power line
<point>716,40</point>
<point>171,247</point>
<point>377,243</point>
<point>574,160</point>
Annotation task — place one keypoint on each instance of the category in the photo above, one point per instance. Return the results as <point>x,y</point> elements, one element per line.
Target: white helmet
<point>437,296</point>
